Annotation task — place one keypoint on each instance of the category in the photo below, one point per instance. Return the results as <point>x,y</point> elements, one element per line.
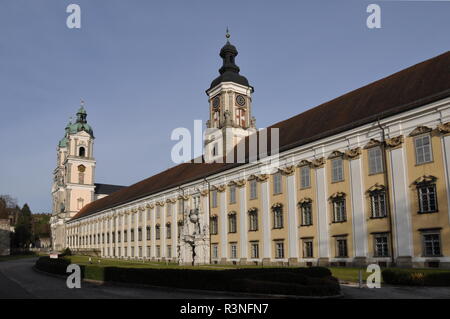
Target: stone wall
<point>5,231</point>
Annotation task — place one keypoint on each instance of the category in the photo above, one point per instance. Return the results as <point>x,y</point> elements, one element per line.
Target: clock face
<point>216,102</point>
<point>240,100</point>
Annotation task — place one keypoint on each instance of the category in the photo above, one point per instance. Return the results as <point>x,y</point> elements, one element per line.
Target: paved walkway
<point>19,280</point>
<point>352,291</point>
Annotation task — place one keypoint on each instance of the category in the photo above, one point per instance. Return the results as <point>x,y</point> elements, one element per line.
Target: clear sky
<point>143,67</point>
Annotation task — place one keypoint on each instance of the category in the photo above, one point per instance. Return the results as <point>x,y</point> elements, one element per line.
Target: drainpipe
<point>209,218</point>
<point>386,181</point>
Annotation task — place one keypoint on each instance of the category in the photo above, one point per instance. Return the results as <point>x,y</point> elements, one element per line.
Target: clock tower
<point>230,105</point>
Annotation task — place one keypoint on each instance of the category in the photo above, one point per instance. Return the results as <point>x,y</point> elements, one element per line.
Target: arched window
<point>82,152</point>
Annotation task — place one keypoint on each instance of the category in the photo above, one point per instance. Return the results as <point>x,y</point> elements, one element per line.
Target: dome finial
<point>227,35</point>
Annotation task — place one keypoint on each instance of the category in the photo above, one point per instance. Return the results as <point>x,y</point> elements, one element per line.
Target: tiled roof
<point>417,85</point>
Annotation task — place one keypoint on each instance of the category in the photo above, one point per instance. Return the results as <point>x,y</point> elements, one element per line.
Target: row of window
<point>117,252</point>
<point>431,246</point>
<point>427,200</point>
<point>423,153</point>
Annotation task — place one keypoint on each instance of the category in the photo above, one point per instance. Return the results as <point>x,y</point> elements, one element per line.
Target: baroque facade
<point>361,179</point>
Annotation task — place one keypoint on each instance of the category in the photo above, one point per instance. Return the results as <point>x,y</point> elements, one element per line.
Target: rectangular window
<point>214,225</point>
<point>158,211</point>
<point>254,249</point>
<point>339,214</point>
<point>125,236</point>
<point>158,251</point>
<point>149,252</point>
<point>308,248</point>
<point>232,194</point>
<point>126,251</point>
<point>305,178</point>
<point>375,160</point>
<point>278,218</point>
<point>214,198</point>
<point>140,234</point>
<point>423,149</point>
<point>168,231</point>
<point>337,167</point>
<point>381,245</point>
<point>148,233</point>
<point>215,251</point>
<point>378,204</point>
<point>232,223</point>
<point>341,247</point>
<point>118,237</point>
<point>277,179</point>
<point>427,198</point>
<point>306,211</point>
<point>132,234</point>
<point>132,251</point>
<point>279,249</point>
<point>253,189</point>
<point>157,232</point>
<point>431,244</point>
<point>253,220</point>
<point>140,251</point>
<point>233,250</point>
<point>169,251</point>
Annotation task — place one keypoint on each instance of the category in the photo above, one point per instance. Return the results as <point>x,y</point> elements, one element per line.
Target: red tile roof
<point>417,85</point>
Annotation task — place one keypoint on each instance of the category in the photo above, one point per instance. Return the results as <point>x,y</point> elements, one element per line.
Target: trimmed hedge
<point>314,281</point>
<point>416,277</point>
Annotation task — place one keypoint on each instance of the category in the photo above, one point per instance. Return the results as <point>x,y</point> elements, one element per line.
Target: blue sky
<point>143,67</point>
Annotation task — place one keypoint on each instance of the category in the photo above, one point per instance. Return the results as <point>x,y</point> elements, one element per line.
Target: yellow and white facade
<point>375,193</point>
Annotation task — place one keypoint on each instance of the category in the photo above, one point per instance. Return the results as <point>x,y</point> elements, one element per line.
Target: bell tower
<point>73,178</point>
<point>230,104</point>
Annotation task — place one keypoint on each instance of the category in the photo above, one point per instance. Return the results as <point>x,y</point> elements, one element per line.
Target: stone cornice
<point>289,170</point>
<point>318,162</point>
<point>353,153</point>
<point>373,143</point>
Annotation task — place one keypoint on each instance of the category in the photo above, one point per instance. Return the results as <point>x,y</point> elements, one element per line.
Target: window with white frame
<point>381,245</point>
<point>253,220</point>
<point>306,213</point>
<point>233,250</point>
<point>341,247</point>
<point>139,234</point>
<point>423,149</point>
<point>277,216</point>
<point>214,227</point>
<point>279,249</point>
<point>232,223</point>
<point>148,233</point>
<point>214,198</point>
<point>375,160</point>
<point>337,170</point>
<point>215,251</point>
<point>157,232</point>
<point>431,243</point>
<point>305,176</point>
<point>254,249</point>
<point>308,251</point>
<point>169,251</point>
<point>339,213</point>
<point>168,231</point>
<point>232,194</point>
<point>378,205</point>
<point>426,193</point>
<point>158,251</point>
<point>277,183</point>
<point>253,189</point>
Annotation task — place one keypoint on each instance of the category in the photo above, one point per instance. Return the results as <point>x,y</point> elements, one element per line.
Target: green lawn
<point>348,274</point>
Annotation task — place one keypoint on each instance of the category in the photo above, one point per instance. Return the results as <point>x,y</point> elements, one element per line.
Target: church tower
<point>73,179</point>
<point>230,105</point>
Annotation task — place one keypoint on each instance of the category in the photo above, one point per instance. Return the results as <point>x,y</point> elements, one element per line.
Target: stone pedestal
<point>293,262</point>
<point>360,261</point>
<point>404,262</point>
<point>323,262</point>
